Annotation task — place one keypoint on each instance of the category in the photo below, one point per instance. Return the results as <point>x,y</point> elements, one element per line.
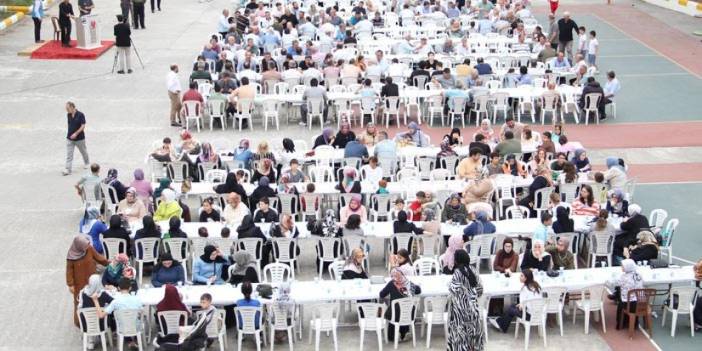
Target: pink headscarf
<point>455,243</point>
<point>355,202</point>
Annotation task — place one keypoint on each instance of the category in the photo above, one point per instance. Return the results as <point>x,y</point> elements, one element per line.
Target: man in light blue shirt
<point>223,23</point>
<point>560,62</point>
<point>524,78</point>
<point>122,302</point>
<point>355,148</point>
<point>612,87</point>
<point>37,14</point>
<point>385,148</point>
<point>270,39</point>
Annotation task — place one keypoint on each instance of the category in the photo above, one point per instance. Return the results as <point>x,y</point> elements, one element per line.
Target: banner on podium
<point>87,32</point>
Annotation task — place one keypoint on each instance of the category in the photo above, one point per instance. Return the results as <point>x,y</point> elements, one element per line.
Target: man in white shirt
<point>292,72</point>
<point>405,47</point>
<point>306,28</point>
<point>381,61</point>
<point>223,24</point>
<point>612,87</point>
<point>364,27</point>
<point>173,86</point>
<point>396,69</point>
<point>423,48</point>
<point>235,211</point>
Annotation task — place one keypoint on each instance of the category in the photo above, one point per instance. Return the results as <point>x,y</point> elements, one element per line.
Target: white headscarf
<point>629,266</point>
<point>168,195</point>
<point>94,285</point>
<point>634,209</point>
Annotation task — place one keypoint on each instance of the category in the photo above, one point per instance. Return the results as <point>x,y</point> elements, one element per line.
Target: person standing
<point>566,27</point>
<point>123,41</point>
<point>75,137</point>
<point>158,4</point>
<point>80,265</point>
<point>37,14</point>
<point>85,7</point>
<point>65,16</point>
<point>173,85</point>
<point>464,290</point>
<point>126,6</point>
<point>138,6</point>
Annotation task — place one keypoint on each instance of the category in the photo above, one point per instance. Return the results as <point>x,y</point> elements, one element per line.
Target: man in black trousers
<point>123,42</point>
<point>158,4</point>
<point>65,16</point>
<point>138,8</point>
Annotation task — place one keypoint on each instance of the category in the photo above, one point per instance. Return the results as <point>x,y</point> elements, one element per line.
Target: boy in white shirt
<point>593,48</point>
<point>582,41</point>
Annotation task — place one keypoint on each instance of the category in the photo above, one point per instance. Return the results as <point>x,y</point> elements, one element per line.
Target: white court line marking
<point>635,75</point>
<point>625,56</point>
<point>649,47</point>
<point>667,183</point>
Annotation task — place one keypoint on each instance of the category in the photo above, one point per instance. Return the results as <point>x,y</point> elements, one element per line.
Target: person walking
<point>566,27</point>
<point>157,3</point>
<point>464,313</point>
<point>65,16</point>
<point>37,14</point>
<point>126,6</point>
<point>123,41</point>
<point>80,265</point>
<point>173,85</point>
<point>138,6</point>
<point>75,137</point>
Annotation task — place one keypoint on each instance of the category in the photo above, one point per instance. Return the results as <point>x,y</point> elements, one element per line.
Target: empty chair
<point>245,112</point>
<point>146,250</point>
<point>666,247</point>
<point>392,108</point>
<point>271,110</point>
<point>657,218</point>
<point>128,322</point>
<point>380,206</point>
<point>370,318</point>
<point>457,109</point>
<point>426,266</point>
<point>281,317</point>
<point>601,245</point>
<point>549,104</point>
<point>328,250</point>
<point>276,273</point>
<point>434,313</point>
<point>325,318</point>
<point>591,301</point>
<point>555,302</point>
<point>217,110</point>
<point>429,246</point>
<point>170,321</point>
<point>686,301</point>
<point>111,247</point>
<point>516,212</point>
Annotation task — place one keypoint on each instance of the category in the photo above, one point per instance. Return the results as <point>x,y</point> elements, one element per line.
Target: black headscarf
<point>230,185</point>
<point>247,228</point>
<point>563,222</point>
<point>149,229</point>
<point>288,145</point>
<point>402,217</point>
<point>209,249</point>
<point>174,228</point>
<point>115,222</point>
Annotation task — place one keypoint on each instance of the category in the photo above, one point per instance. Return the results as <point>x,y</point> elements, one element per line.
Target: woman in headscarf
<point>207,269</point>
<point>116,231</point>
<point>630,280</point>
<point>537,258</point>
<point>326,138</point>
<point>115,270</point>
<point>353,268</point>
<point>455,243</point>
<point>446,150</point>
<point>168,207</point>
<point>163,184</point>
<point>486,130</point>
<point>617,205</point>
<point>481,225</point>
<point>131,207</point>
<point>171,301</point>
<point>370,136</point>
<point>615,175</point>
<point>413,135</point>
<point>349,184</point>
<point>514,167</point>
<point>80,265</point>
<point>143,187</point>
<point>231,185</point>
<point>91,224</point>
<point>95,288</point>
<point>353,207</point>
<point>244,269</point>
<point>585,204</point>
<point>506,259</point>
<point>581,162</point>
<point>149,230</point>
<point>343,136</point>
<point>464,290</point>
<point>243,154</point>
<point>265,169</point>
<point>397,288</point>
<point>174,230</point>
<point>112,181</point>
<point>262,190</point>
<point>454,211</point>
<point>563,223</point>
<point>168,271</point>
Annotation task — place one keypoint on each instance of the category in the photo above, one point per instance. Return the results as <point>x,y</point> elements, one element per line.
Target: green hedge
<point>16,2</point>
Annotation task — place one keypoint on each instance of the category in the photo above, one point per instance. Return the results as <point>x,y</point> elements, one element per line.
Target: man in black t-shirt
<point>75,137</point>
<point>566,27</point>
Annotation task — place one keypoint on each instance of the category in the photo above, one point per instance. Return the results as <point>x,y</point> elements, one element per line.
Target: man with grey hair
<point>566,27</point>
<point>75,137</point>
<point>561,256</point>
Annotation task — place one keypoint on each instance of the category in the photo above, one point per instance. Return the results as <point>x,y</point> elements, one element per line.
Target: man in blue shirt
<point>385,148</point>
<point>355,148</point>
<point>482,67</point>
<point>560,63</point>
<point>122,302</point>
<point>541,232</point>
<point>37,14</point>
<point>270,39</point>
<point>524,77</point>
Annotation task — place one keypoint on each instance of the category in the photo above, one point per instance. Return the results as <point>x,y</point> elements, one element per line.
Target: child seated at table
<point>382,187</point>
<point>399,207</point>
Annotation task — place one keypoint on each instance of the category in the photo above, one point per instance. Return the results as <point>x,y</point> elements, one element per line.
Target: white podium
<point>87,32</point>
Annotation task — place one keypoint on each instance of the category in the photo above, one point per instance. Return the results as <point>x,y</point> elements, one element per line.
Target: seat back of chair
<point>178,170</point>
<point>250,316</point>
<point>216,326</point>
<point>254,246</point>
<point>380,204</point>
<point>336,269</point>
<point>147,249</point>
<point>687,298</point>
<point>402,311</point>
<point>370,315</point>
<point>602,243</point>
<point>111,247</point>
<point>592,101</point>
<point>324,314</point>
<point>325,248</point>
<point>401,241</point>
<point>487,244</point>
<point>643,298</point>
<point>555,298</point>
<point>541,198</point>
<point>284,249</point>
<point>127,322</point>
<point>657,217</point>
<point>537,309</point>
<point>89,321</point>
<point>276,273</point>
<point>426,266</point>
<point>281,316</point>
<point>309,203</point>
<point>177,247</point>
<point>429,245</point>
<point>288,203</point>
<point>169,321</point>
<point>569,191</point>
<point>435,308</point>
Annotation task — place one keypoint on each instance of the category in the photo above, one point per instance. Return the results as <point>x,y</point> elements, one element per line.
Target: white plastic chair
<point>324,319</point>
<point>327,253</point>
<point>555,302</point>
<point>91,325</point>
<point>217,110</point>
<point>601,245</point>
<point>276,273</point>
<point>592,102</point>
<point>380,206</point>
<point>249,317</point>
<point>254,246</point>
<point>371,318</point>
<point>434,313</point>
<point>281,318</point>
<point>192,111</point>
<point>667,247</point>
<point>439,174</point>
<point>429,246</point>
<point>315,108</point>
<point>271,109</point>
<point>500,103</point>
<point>592,303</point>
<point>426,266</point>
<point>435,106</point>
<point>169,321</point>
<point>321,174</point>
<point>392,108</point>
<point>425,165</point>
<point>517,212</point>
<point>245,112</point>
<point>402,313</point>
<point>216,329</point>
<point>285,252</point>
<point>179,249</point>
<point>657,218</point>
<point>687,299</point>
<point>147,250</point>
<point>109,194</point>
<point>112,247</point>
<point>537,310</point>
<point>549,104</point>
<point>457,109</point>
<point>128,326</point>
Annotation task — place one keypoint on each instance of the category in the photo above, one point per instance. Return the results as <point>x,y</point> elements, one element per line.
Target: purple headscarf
<point>327,134</point>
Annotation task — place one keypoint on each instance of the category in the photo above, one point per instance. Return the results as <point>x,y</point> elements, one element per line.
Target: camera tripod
<point>114,63</point>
